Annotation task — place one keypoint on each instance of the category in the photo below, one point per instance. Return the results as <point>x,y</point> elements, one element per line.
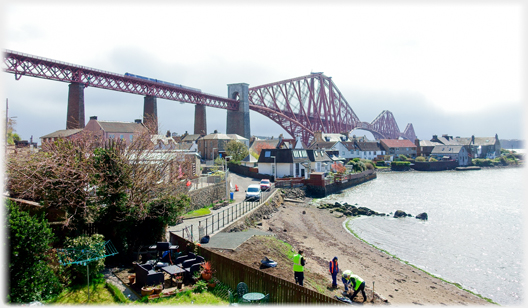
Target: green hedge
<point>400,163</point>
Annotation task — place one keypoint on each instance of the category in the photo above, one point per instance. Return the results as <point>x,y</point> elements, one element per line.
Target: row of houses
<point>459,149</point>
<point>290,157</point>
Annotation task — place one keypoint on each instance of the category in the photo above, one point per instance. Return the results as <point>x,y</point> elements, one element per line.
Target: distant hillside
<point>512,144</point>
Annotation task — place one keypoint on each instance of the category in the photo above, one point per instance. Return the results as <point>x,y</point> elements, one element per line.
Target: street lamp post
<point>274,168</point>
<point>227,187</point>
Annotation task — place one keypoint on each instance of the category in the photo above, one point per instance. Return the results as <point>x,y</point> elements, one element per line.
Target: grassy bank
<point>403,261</point>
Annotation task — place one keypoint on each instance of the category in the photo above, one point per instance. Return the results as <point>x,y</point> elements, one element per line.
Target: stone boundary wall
<point>323,191</point>
<point>205,196</point>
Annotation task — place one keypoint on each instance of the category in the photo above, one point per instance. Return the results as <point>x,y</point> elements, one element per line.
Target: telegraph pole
<point>7,119</point>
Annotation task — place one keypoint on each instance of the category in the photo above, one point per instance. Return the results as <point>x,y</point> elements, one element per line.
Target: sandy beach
<point>322,236</point>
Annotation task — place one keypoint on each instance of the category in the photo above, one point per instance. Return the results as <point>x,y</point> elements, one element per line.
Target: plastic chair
<point>242,289</point>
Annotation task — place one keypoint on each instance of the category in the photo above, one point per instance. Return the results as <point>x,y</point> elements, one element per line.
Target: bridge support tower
<point>238,120</point>
<point>150,113</point>
<point>200,123</point>
<point>75,113</point>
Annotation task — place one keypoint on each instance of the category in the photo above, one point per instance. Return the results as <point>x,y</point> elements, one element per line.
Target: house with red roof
<point>396,147</point>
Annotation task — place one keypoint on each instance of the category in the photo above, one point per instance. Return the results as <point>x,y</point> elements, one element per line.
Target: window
<point>315,152</point>
<point>267,154</point>
<point>111,136</point>
<point>121,136</point>
<point>131,137</point>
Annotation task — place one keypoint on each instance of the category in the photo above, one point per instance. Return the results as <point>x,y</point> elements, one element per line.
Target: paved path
<point>111,278</point>
<point>242,181</point>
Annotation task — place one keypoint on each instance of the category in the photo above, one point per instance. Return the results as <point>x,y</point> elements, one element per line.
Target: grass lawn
<point>99,295</point>
<point>198,212</point>
<point>103,294</point>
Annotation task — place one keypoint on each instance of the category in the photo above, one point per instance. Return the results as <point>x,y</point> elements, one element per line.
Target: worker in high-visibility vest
<point>356,283</point>
<point>334,270</point>
<point>298,267</point>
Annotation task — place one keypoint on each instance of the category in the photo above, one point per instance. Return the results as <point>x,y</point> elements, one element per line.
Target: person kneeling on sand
<point>356,283</point>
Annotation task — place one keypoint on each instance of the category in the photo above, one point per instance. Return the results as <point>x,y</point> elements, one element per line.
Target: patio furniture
<point>253,297</point>
<point>265,299</point>
<point>242,289</point>
<point>179,260</point>
<point>160,247</point>
<point>187,263</point>
<point>173,271</point>
<point>145,275</point>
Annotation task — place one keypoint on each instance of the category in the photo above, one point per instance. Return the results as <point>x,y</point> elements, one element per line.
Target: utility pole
<point>7,119</point>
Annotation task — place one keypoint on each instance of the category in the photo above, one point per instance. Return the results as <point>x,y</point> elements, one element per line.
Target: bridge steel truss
<point>21,64</point>
<point>311,103</point>
<point>301,105</point>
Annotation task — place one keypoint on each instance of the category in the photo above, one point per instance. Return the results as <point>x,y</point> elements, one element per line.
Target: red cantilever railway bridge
<point>301,105</point>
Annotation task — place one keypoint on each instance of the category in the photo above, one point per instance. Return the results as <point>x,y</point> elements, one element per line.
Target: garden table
<point>173,270</point>
<point>253,296</point>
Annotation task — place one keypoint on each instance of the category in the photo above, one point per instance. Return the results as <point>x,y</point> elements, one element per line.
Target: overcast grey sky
<point>455,68</point>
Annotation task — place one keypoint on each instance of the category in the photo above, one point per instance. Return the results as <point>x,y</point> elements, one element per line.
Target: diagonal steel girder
<point>385,125</point>
<point>21,64</point>
<point>304,105</point>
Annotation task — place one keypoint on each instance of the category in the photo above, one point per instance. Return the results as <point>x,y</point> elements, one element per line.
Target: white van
<point>253,192</point>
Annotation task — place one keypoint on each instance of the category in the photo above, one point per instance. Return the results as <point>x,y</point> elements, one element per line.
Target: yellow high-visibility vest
<point>358,281</point>
<point>297,267</point>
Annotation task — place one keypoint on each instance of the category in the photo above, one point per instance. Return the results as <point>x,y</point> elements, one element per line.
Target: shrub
<point>402,157</point>
<point>432,159</point>
<point>401,163</point>
<point>420,159</point>
<point>368,161</point>
<point>30,276</point>
<point>482,162</point>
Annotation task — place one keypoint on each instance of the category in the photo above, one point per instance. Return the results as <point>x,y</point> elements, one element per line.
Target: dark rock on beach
<point>399,213</point>
<point>422,216</point>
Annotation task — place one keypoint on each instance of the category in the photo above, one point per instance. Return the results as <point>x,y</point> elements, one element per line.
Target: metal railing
<point>222,218</point>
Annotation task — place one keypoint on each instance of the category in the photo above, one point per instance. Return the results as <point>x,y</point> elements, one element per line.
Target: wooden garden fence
<point>231,272</point>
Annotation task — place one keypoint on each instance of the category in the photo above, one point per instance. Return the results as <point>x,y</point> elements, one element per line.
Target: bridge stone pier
<point>238,121</point>
<point>75,113</point>
<point>200,117</point>
<point>150,113</point>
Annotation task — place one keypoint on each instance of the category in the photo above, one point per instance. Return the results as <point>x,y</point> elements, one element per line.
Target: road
<point>242,181</point>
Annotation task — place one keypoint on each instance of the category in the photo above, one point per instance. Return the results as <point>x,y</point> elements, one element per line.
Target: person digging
<point>355,282</point>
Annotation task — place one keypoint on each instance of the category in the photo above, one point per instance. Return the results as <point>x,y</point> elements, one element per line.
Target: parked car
<point>253,192</point>
<point>265,185</point>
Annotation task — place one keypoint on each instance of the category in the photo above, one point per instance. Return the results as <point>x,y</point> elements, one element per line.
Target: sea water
<point>474,234</point>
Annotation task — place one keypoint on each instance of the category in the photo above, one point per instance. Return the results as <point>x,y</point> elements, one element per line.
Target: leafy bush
<point>368,161</point>
<point>401,163</point>
<point>482,162</point>
<point>402,157</point>
<point>420,159</point>
<point>94,243</point>
<point>432,159</point>
<point>200,286</point>
<point>30,276</point>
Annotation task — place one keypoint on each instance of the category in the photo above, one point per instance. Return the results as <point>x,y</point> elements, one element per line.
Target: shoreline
<point>456,284</point>
<point>322,235</point>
